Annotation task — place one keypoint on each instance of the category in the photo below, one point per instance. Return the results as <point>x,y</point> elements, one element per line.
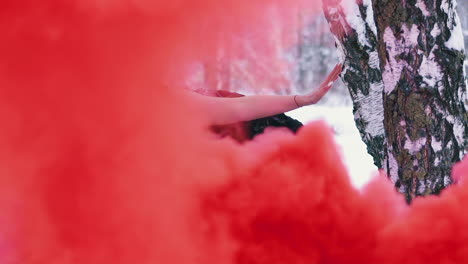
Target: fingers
<point>326,85</point>
<point>335,73</point>
<point>331,78</point>
<point>324,89</point>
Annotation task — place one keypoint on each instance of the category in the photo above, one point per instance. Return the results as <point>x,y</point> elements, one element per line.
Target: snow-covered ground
<point>355,156</point>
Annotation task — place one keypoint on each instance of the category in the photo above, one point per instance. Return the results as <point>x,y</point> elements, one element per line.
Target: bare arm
<point>231,110</point>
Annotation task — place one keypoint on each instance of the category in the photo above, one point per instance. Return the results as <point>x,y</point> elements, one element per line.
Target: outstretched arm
<point>231,110</point>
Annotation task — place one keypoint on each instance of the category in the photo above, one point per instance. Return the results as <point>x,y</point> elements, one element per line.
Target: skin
<point>231,110</point>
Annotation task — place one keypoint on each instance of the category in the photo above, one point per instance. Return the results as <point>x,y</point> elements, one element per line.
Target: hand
<point>315,96</point>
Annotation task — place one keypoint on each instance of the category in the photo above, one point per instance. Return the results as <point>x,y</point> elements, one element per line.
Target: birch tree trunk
<point>404,71</point>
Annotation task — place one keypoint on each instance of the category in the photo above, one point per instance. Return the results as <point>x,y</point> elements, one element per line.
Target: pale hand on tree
<point>316,95</point>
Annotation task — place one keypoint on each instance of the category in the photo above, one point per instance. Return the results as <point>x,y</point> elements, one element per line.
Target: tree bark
<point>404,71</point>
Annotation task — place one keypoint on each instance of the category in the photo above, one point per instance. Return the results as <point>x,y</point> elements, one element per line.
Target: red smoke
<point>101,161</point>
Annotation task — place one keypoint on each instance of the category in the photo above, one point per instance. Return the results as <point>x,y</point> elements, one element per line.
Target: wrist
<point>296,101</point>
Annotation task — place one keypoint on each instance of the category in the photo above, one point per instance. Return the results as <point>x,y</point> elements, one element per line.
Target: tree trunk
<point>404,71</point>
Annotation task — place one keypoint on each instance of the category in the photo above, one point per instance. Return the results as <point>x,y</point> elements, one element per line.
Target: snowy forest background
<point>298,69</point>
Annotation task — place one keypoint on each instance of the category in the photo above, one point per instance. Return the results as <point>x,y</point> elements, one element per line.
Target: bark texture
<point>404,71</point>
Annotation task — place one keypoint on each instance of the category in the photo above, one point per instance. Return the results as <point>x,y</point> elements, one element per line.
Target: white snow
<point>456,40</point>
<point>355,20</point>
<point>370,15</point>
<point>357,160</point>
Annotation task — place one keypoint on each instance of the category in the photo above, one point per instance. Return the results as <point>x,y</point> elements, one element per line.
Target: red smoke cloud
<point>102,161</point>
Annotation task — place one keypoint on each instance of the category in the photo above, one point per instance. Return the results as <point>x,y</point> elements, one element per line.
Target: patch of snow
<point>414,146</point>
<point>370,15</point>
<point>354,151</point>
<point>420,4</point>
<point>355,20</point>
<point>456,40</point>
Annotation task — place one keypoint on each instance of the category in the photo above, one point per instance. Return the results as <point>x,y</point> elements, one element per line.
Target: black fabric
<point>258,126</point>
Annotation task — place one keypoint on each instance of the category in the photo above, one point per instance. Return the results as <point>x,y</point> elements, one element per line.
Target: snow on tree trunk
<point>404,71</point>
